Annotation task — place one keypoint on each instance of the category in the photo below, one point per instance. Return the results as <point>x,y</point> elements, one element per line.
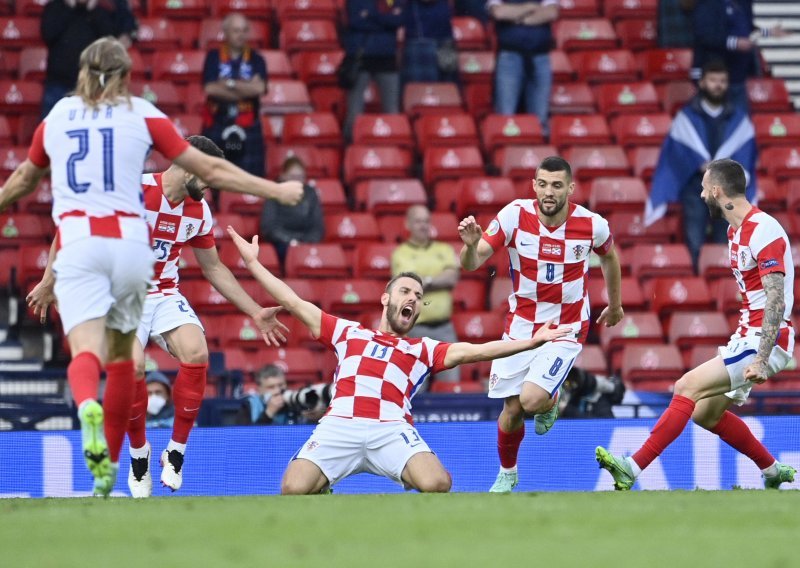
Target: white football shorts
<point>97,277</point>
<point>163,314</point>
<point>547,366</point>
<point>738,354</point>
<point>342,447</point>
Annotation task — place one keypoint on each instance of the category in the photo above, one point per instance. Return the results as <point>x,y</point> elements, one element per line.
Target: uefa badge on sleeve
<point>493,228</point>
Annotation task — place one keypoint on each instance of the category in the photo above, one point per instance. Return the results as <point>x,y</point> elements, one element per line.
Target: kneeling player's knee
<point>292,486</point>
<point>440,482</point>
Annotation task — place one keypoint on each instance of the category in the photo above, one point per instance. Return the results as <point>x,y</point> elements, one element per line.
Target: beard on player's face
<point>401,316</point>
<point>551,205</point>
<point>714,209</point>
<point>195,190</point>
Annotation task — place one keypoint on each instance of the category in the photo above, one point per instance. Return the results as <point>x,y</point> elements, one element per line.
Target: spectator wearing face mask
<point>160,410</point>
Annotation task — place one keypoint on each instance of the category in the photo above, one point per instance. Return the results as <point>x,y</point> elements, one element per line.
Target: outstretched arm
<point>306,312</point>
<point>460,353</point>
<point>20,183</point>
<point>475,250</point>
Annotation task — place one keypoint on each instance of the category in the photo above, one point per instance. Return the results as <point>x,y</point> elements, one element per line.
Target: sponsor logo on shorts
<point>769,263</point>
<point>312,445</point>
<point>167,227</point>
<point>493,381</point>
<point>493,228</point>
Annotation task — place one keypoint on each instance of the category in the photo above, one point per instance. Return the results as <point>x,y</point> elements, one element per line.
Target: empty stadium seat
<point>478,99</point>
<point>469,33</point>
<point>323,260</point>
<point>675,94</point>
<point>301,366</point>
<point>351,228</point>
<point>194,9</point>
<point>590,129</point>
<point>306,10</point>
<point>714,261</point>
<point>299,35</point>
<point>31,262</point>
<point>633,298</point>
<point>478,327</point>
<point>777,129</point>
<point>365,162</point>
<point>679,294</point>
<point>782,163</point>
<point>620,9</point>
<point>157,34</point>
<point>285,96</point>
<point>650,261</point>
<point>187,124</point>
<point>771,195</point>
<point>230,257</point>
<point>572,98</point>
<point>632,130</point>
<point>617,194</point>
<point>469,295</point>
<point>448,130</point>
<point>461,387</point>
<point>314,159</point>
<point>318,67</point>
<point>768,95</point>
<point>662,65</point>
<point>246,226</point>
<point>503,130</point>
<point>17,97</point>
<point>318,129</point>
<point>635,327</point>
<point>605,66</point>
<point>19,32</point>
<point>17,229</point>
<point>278,64</point>
<point>374,260</point>
<point>625,98</point>
<point>476,66</point>
<point>331,194</point>
<point>350,297</point>
<point>33,63</point>
<point>589,162</point>
<point>590,33</point>
<point>483,195</point>
<point>522,161</point>
<point>212,37</point>
<point>7,138</point>
<point>253,9</point>
<point>592,359</point>
<point>386,196</point>
<point>578,9</point>
<point>689,329</point>
<point>652,367</point>
<point>628,228</point>
<point>179,66</point>
<point>162,94</point>
<point>425,98</point>
<point>442,163</point>
<point>637,34</point>
<point>205,299</point>
<point>561,67</point>
<point>643,160</point>
<point>383,130</point>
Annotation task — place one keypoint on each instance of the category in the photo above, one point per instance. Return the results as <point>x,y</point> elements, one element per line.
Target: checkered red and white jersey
<point>96,159</point>
<point>549,265</point>
<point>377,373</point>
<point>173,225</point>
<point>757,248</point>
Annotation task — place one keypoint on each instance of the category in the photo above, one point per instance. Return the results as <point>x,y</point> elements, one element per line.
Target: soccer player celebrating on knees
<point>95,144</point>
<point>549,241</point>
<point>761,261</point>
<point>368,426</point>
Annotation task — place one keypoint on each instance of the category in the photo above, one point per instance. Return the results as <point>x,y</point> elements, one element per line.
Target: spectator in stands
<point>708,128</point>
<point>523,60</point>
<point>266,405</point>
<point>724,30</point>
<point>675,23</point>
<point>234,78</point>
<point>430,54</point>
<point>160,410</point>
<point>436,263</point>
<point>473,8</point>
<point>370,41</point>
<point>67,27</point>
<point>287,225</point>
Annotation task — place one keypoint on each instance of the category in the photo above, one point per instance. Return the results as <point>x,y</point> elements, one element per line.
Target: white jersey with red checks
<point>173,225</point>
<point>757,248</point>
<point>549,265</point>
<point>377,374</point>
<point>96,158</point>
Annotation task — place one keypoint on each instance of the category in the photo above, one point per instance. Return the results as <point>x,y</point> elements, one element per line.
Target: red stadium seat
<point>578,9</point>
<point>374,260</point>
<point>768,95</point>
<point>300,35</point>
<point>157,34</point>
<point>651,261</point>
<point>10,158</point>
<point>589,162</point>
<point>331,194</point>
<point>29,7</point>
<point>205,299</point>
<point>17,229</point>
<point>17,97</point>
<point>351,228</point>
<point>478,99</point>
<point>442,163</point>
<point>19,32</point>
<point>469,295</point>
<point>476,66</point>
<point>592,359</point>
<point>317,129</point>
<point>306,10</point>
<point>633,298</point>
<point>626,98</point>
<point>239,203</point>
<point>772,196</point>
<point>426,98</point>
<point>365,162</point>
<point>188,124</point>
<point>643,160</point>
<point>461,387</point>
<point>285,97</point>
<point>192,9</point>
<point>31,262</point>
<point>617,194</point>
<point>500,130</point>
<point>637,34</point>
<point>777,129</point>
<point>318,67</point>
<point>674,95</point>
<point>7,137</point>
<point>679,294</point>
<point>635,327</point>
<point>383,130</point>
<point>9,64</point>
<point>211,36</point>
<point>33,63</point>
<point>792,188</point>
<point>246,226</point>
<point>179,66</point>
<point>728,298</point>
<point>278,64</point>
<point>781,163</point>
<point>447,130</point>
<point>231,258</point>
<point>561,67</point>
<point>689,329</point>
<point>469,34</point>
<point>350,297</point>
<point>623,9</point>
<point>632,130</point>
<point>522,161</point>
<point>499,292</point>
<point>478,327</point>
<point>387,197</point>
<point>314,159</point>
<point>301,366</point>
<point>714,261</point>
<point>591,33</point>
<point>652,367</point>
<point>699,354</point>
<point>628,228</point>
<point>162,94</point>
<point>483,195</point>
<point>605,66</point>
<point>572,98</point>
<point>662,65</point>
<point>253,9</point>
<point>392,228</point>
<point>590,129</point>
<point>324,260</point>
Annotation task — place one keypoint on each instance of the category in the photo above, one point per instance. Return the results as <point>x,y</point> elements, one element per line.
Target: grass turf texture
<point>722,528</point>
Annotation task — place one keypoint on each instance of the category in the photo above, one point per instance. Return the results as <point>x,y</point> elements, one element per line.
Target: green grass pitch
<point>638,529</point>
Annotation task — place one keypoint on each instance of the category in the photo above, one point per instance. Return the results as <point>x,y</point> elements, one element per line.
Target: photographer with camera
<point>587,395</point>
<point>273,403</point>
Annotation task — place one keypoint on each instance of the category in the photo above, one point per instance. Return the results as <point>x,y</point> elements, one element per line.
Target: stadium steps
<point>782,54</point>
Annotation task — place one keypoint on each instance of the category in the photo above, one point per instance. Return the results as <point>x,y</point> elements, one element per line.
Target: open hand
<point>40,298</point>
<point>469,231</point>
<point>272,329</point>
<point>549,332</point>
<point>249,251</point>
<point>291,192</point>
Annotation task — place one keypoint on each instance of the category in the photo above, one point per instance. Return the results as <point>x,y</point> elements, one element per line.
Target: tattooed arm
<point>773,316</point>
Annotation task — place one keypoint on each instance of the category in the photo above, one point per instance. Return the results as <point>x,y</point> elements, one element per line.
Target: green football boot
<point>505,482</point>
<point>619,468</point>
<point>785,475</point>
<point>544,422</point>
<point>93,440</point>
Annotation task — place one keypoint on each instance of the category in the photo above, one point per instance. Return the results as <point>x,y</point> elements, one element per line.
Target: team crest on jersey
<point>189,229</point>
<point>577,250</point>
<point>312,445</point>
<point>551,249</point>
<point>493,227</point>
<point>167,227</point>
<point>493,381</point>
<point>743,255</point>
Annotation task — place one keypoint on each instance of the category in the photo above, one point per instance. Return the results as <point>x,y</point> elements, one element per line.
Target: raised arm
<point>460,353</point>
<point>475,250</point>
<point>306,312</point>
<point>612,273</point>
<point>773,283</point>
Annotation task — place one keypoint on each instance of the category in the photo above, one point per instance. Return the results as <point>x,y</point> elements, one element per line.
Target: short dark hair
<point>412,275</point>
<point>205,145</point>
<point>270,370</point>
<point>556,164</point>
<point>291,162</point>
<point>729,175</point>
<point>714,66</point>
